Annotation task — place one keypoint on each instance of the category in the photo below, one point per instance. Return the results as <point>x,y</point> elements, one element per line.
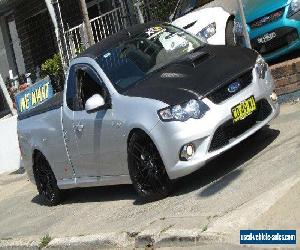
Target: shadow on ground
<point>220,172</point>
<point>224,169</point>
<point>95,194</point>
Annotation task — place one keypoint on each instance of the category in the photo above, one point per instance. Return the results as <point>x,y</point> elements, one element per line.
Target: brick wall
<point>287,76</point>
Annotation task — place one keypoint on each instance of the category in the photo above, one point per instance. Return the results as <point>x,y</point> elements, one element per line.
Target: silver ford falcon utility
<point>146,106</point>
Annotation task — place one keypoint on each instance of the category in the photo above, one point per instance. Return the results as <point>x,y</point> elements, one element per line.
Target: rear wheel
<point>229,33</point>
<point>45,181</point>
<point>146,168</point>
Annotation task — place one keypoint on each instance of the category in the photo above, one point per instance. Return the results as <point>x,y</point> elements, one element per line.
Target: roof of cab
<point>113,40</point>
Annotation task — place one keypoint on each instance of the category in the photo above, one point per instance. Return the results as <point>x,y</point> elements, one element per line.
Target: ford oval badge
<point>234,87</point>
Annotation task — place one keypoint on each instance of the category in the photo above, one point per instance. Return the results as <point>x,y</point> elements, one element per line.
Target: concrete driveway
<point>255,167</point>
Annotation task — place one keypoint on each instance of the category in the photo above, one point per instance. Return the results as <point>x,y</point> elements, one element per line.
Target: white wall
<point>9,146</point>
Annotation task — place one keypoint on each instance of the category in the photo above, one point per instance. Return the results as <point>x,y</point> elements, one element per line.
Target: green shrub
<point>45,240</point>
<point>163,9</point>
<point>53,68</point>
<point>158,9</point>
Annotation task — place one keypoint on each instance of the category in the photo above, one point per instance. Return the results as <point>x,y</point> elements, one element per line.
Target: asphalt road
<point>257,165</point>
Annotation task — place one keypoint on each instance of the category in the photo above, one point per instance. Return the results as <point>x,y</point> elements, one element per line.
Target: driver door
<point>85,129</point>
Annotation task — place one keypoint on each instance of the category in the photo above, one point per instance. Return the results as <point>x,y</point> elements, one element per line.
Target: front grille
<point>230,130</point>
<point>284,37</point>
<point>274,16</point>
<point>223,94</point>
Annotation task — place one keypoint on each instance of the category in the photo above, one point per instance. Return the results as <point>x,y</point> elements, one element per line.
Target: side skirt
<point>93,181</point>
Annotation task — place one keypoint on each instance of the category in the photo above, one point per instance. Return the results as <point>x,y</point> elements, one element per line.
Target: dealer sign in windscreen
<point>34,95</point>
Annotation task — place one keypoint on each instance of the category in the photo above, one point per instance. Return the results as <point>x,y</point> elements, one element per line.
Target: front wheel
<point>229,33</point>
<point>146,169</point>
<point>46,182</point>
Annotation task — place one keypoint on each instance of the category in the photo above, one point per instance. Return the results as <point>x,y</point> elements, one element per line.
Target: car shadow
<point>224,169</point>
<point>220,172</point>
<point>94,194</point>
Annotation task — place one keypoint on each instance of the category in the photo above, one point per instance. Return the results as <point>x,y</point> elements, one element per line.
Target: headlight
<point>261,67</point>
<point>238,28</point>
<point>207,32</point>
<point>193,109</point>
<point>294,7</point>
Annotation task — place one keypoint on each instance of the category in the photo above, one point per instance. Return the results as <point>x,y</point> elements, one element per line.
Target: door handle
<point>79,127</point>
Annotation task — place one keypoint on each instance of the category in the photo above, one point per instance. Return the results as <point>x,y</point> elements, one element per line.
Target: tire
<point>229,33</point>
<point>146,169</point>
<point>45,181</point>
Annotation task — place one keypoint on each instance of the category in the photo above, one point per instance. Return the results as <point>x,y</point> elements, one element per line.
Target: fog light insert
<point>187,152</point>
<point>274,97</point>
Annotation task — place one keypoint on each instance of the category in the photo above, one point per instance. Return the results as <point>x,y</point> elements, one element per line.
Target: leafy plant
<point>8,82</point>
<point>53,68</point>
<point>160,9</point>
<point>79,50</point>
<point>45,240</point>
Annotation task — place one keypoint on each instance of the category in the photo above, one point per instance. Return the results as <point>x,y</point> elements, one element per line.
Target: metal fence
<point>102,27</point>
<point>109,23</point>
<point>75,41</point>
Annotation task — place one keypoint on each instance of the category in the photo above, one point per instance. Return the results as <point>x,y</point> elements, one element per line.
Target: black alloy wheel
<point>146,169</point>
<point>46,182</point>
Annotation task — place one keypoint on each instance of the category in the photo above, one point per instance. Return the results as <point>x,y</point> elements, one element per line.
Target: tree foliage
<point>160,9</point>
<point>53,68</point>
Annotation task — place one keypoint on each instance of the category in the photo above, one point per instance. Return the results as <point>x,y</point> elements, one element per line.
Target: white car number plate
<point>267,37</point>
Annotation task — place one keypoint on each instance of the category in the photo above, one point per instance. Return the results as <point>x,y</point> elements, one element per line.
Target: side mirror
<point>94,102</point>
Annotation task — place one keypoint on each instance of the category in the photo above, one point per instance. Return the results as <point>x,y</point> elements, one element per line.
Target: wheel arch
<point>229,19</point>
<point>55,195</point>
<point>30,166</point>
<point>164,174</point>
<point>136,130</point>
<point>37,152</point>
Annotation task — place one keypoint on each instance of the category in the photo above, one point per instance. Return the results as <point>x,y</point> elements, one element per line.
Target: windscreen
<point>134,59</point>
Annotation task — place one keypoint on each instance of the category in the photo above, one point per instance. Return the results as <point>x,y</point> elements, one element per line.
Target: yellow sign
<point>34,95</point>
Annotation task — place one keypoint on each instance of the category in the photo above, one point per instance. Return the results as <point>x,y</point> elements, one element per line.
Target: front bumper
<point>286,42</point>
<point>170,137</point>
